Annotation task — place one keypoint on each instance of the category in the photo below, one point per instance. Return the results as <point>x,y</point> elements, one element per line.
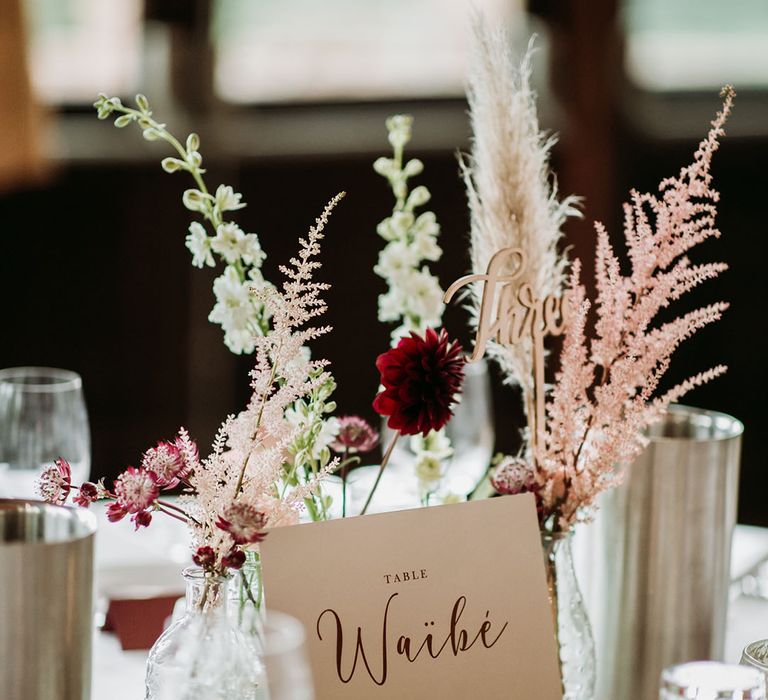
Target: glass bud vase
<point>203,655</point>
<point>576,646</point>
<point>246,598</point>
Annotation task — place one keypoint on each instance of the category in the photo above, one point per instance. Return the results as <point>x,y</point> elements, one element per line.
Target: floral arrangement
<point>245,485</point>
<point>243,315</point>
<point>604,395</point>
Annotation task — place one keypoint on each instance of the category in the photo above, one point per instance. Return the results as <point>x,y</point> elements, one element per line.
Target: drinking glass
<point>470,432</point>
<point>756,655</point>
<point>42,417</point>
<point>711,680</point>
<point>285,658</point>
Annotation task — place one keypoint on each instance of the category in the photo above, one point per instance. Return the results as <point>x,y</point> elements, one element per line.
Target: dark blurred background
<point>289,98</point>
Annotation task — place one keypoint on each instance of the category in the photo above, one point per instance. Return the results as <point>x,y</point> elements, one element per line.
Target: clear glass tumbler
<point>711,680</point>
<point>42,417</point>
<point>756,655</point>
<point>285,658</point>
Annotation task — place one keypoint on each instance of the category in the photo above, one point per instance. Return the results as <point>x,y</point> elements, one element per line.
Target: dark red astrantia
<point>421,379</point>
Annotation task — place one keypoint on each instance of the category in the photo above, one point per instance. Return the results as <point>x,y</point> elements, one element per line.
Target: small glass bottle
<point>203,655</point>
<point>246,598</point>
<point>576,646</point>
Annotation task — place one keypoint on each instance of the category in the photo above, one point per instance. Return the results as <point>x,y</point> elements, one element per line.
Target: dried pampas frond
<point>512,193</point>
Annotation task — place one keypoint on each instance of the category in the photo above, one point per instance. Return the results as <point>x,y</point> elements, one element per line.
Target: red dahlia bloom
<point>421,379</point>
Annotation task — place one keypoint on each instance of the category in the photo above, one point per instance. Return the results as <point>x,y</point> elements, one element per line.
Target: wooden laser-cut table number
<point>509,313</point>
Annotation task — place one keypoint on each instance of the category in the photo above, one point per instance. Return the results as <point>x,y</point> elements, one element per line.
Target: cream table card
<point>442,602</point>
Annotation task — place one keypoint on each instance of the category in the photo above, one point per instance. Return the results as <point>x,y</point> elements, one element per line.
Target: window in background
<point>78,48</point>
<point>678,45</point>
<point>304,50</point>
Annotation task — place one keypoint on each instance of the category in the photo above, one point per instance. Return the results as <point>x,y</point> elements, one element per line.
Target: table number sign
<point>431,603</point>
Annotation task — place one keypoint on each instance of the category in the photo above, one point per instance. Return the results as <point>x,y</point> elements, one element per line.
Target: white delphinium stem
<point>512,193</point>
<point>414,298</point>
<point>241,317</point>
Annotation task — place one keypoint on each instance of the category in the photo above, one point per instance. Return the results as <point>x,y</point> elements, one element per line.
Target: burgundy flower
<point>204,557</point>
<point>421,379</point>
<point>141,519</point>
<point>167,462</point>
<point>87,494</point>
<point>244,522</point>
<point>116,512</point>
<point>234,560</point>
<point>55,483</point>
<point>513,475</point>
<point>136,489</point>
<point>355,435</point>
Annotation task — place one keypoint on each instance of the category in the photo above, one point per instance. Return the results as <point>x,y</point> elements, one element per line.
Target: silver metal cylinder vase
<point>46,601</point>
<point>655,563</point>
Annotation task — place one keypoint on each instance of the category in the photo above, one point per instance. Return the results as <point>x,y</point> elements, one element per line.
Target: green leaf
<point>142,103</point>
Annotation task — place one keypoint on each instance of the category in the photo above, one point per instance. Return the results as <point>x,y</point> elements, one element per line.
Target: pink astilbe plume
<point>245,472</point>
<point>604,396</point>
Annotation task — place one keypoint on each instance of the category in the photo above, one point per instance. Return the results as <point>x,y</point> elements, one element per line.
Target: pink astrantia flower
<point>136,489</point>
<point>141,519</point>
<point>244,522</point>
<point>116,512</point>
<point>355,435</point>
<point>55,483</point>
<point>87,494</point>
<point>204,557</point>
<point>234,560</point>
<point>167,462</point>
<point>513,475</point>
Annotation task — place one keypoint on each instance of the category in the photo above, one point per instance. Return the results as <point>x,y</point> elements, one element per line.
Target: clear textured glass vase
<point>576,646</point>
<point>246,597</point>
<point>203,655</point>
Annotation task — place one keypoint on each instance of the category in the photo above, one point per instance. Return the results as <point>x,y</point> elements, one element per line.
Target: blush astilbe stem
<point>603,397</point>
<point>237,488</point>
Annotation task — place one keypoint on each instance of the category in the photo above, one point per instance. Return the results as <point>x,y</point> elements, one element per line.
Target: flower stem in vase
<point>384,462</point>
